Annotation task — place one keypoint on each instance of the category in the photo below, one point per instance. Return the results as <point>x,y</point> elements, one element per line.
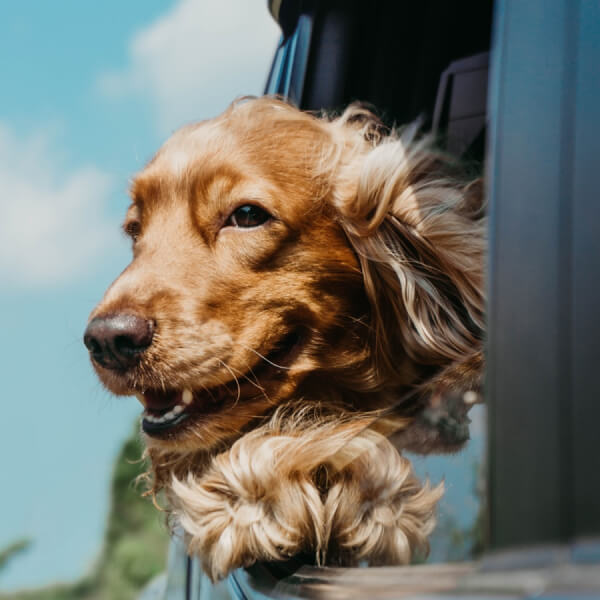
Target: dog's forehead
<point>271,141</point>
<point>188,149</point>
<point>213,160</point>
<point>190,156</point>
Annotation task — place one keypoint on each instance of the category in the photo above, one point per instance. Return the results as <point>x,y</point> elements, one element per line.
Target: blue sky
<point>89,92</point>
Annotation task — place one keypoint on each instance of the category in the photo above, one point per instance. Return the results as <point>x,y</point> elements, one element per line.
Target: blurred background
<point>89,92</point>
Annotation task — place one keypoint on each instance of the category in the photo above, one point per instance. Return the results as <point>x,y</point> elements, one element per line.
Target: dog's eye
<point>132,229</point>
<point>248,215</point>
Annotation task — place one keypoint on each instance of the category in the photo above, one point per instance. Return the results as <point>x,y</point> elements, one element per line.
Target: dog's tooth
<point>177,409</point>
<point>168,416</point>
<point>187,396</point>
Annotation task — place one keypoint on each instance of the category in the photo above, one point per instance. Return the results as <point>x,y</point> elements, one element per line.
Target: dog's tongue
<point>159,400</point>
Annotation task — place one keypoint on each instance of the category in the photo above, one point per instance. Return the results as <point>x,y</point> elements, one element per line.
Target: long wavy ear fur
<point>419,230</point>
<point>419,234</point>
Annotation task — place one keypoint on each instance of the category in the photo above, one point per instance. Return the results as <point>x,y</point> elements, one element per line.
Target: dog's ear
<point>418,230</point>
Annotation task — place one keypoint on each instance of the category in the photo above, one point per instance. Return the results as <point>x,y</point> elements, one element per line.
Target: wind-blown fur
<point>372,266</point>
<point>419,233</point>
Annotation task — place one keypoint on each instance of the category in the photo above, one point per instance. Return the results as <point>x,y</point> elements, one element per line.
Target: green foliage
<point>135,543</point>
<point>12,550</point>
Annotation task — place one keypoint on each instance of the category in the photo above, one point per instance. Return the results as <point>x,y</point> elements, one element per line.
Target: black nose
<point>116,342</point>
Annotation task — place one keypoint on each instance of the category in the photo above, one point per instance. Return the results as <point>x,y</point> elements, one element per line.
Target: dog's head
<point>280,257</point>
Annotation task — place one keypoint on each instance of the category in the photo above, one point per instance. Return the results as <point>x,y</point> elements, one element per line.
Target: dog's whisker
<point>252,381</point>
<point>262,357</point>
<point>259,387</point>
<point>237,383</point>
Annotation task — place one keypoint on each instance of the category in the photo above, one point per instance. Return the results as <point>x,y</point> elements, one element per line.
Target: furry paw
<point>339,492</point>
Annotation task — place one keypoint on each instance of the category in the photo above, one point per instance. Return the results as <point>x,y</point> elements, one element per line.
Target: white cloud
<point>52,225</point>
<point>195,59</point>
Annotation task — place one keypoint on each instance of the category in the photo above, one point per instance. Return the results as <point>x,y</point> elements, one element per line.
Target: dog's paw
<point>255,502</point>
<point>342,494</point>
<point>377,510</point>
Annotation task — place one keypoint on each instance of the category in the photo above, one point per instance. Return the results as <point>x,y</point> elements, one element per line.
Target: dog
<point>305,299</point>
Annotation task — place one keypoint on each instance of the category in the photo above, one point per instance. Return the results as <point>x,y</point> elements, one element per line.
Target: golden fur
<point>308,340</point>
<point>336,490</point>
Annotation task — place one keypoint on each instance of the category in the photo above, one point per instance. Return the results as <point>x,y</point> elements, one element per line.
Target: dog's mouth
<point>167,410</point>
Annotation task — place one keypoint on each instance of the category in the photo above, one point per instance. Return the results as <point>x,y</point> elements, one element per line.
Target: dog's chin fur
<point>375,253</point>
